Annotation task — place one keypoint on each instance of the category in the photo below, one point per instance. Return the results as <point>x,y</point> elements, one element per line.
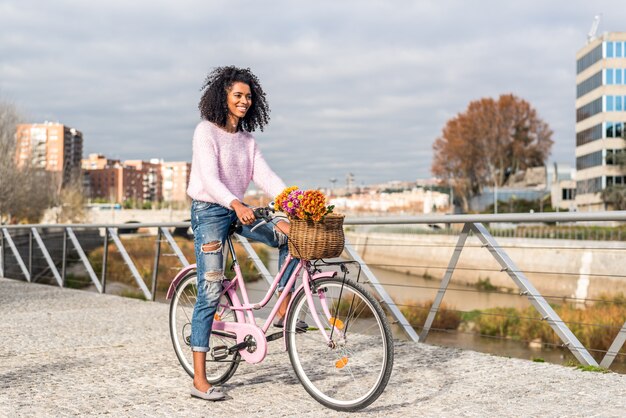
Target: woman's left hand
<point>244,213</point>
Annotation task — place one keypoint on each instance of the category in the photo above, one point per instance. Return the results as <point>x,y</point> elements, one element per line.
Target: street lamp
<point>332,184</point>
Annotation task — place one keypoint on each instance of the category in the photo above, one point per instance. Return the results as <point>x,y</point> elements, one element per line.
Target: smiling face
<point>239,100</point>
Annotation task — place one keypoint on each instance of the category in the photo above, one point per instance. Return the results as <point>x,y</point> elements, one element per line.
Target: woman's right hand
<point>244,213</point>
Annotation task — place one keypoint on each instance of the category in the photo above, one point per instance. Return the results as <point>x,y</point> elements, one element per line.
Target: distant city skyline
<point>362,88</point>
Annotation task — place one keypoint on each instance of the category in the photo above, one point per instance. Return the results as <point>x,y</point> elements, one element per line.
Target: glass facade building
<point>600,118</point>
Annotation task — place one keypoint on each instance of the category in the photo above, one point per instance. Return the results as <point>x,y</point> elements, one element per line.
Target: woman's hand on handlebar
<point>244,213</point>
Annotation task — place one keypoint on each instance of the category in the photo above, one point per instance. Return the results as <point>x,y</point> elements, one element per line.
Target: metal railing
<point>20,243</point>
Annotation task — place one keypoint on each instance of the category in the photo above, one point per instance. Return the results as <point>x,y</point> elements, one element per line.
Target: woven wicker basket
<point>310,240</point>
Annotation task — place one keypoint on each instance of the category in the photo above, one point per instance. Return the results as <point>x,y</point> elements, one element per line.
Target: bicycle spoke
<point>351,370</point>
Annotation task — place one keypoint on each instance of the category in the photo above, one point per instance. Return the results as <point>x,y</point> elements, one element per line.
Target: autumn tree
<point>490,141</point>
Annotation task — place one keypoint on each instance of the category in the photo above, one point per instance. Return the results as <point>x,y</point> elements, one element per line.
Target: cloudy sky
<point>355,86</point>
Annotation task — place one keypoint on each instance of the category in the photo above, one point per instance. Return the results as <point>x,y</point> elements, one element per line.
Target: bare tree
<point>9,118</point>
<point>25,192</point>
<point>70,202</point>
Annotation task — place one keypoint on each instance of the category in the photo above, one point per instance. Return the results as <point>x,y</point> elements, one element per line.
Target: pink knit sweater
<point>223,164</point>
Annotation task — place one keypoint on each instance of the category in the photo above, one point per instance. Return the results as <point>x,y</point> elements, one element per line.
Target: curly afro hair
<point>213,106</point>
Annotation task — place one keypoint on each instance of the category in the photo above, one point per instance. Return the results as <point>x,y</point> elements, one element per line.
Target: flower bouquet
<point>315,230</point>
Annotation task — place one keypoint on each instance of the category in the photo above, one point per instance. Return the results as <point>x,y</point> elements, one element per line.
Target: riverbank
<point>556,267</point>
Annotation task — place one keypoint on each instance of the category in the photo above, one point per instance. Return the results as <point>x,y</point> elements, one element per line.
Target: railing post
<point>16,254</point>
<point>64,257</point>
<point>46,256</point>
<point>534,297</point>
<point>402,321</point>
<point>445,281</point>
<point>83,257</point>
<point>155,269</point>
<point>30,252</point>
<point>1,255</point>
<point>131,265</point>
<point>168,237</point>
<point>105,256</point>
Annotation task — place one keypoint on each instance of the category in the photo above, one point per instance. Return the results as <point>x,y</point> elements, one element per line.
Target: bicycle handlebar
<point>265,214</point>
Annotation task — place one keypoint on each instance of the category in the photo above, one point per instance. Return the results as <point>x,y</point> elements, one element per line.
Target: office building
<point>600,118</point>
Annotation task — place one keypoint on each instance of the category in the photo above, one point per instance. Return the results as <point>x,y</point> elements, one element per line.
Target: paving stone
<point>67,352</point>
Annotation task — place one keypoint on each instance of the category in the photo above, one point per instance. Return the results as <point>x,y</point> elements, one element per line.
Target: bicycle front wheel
<point>350,371</point>
<point>181,311</point>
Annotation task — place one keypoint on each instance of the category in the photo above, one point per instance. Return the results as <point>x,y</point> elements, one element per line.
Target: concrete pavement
<point>69,352</point>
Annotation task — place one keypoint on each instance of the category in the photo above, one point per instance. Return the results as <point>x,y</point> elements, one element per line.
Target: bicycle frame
<point>246,325</point>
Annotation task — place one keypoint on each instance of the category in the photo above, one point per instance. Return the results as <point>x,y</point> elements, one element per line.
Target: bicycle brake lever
<point>263,222</point>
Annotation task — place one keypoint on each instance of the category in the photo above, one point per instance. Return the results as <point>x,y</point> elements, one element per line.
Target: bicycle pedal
<point>275,336</point>
<point>219,352</point>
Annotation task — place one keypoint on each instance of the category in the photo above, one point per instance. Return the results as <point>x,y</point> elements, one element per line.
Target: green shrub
<point>498,322</point>
<point>417,312</point>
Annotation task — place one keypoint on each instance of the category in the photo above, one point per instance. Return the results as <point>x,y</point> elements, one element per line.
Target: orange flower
<point>312,204</point>
<point>282,196</point>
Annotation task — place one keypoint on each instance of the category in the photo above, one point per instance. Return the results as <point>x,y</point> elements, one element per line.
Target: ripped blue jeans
<point>210,223</point>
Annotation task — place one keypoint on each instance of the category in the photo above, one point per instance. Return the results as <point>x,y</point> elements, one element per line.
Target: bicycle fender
<point>181,274</point>
<point>316,276</point>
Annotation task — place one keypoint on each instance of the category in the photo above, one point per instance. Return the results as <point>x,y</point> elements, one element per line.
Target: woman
<point>225,159</point>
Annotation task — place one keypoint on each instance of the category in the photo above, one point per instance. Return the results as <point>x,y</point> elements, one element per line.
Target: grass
<point>417,312</point>
<point>485,285</point>
<point>76,282</point>
<point>592,369</point>
<point>133,294</point>
<point>596,326</point>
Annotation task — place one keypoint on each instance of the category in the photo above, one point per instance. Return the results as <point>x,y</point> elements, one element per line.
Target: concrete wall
<point>555,267</point>
<point>144,216</point>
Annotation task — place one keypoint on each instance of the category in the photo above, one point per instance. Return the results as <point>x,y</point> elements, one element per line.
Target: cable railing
<point>561,313</point>
<point>567,232</point>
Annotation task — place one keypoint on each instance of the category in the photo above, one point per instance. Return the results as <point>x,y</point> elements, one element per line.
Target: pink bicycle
<point>343,359</point>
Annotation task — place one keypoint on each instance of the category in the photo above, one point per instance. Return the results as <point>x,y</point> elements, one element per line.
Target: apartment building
<point>175,175</point>
<point>111,180</point>
<point>152,179</point>
<point>600,118</point>
<point>50,146</point>
<point>140,181</point>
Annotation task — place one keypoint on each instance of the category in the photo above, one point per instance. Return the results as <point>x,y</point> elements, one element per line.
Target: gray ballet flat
<point>213,394</point>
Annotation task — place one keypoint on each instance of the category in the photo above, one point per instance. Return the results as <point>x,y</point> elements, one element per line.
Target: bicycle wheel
<point>352,371</point>
<point>181,311</point>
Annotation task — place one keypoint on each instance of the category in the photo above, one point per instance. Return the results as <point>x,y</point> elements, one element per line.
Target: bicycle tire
<point>184,350</point>
<point>364,347</point>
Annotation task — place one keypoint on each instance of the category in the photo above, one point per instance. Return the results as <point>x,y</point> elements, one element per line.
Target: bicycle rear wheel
<point>181,311</point>
<point>351,371</point>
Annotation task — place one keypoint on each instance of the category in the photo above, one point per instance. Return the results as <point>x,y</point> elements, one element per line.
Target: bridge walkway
<point>68,352</point>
